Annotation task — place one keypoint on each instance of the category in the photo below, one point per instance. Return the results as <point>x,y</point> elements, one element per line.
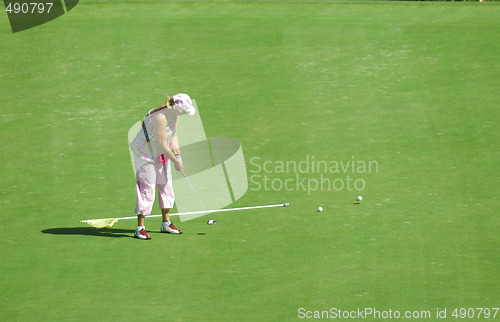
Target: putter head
<point>211,222</point>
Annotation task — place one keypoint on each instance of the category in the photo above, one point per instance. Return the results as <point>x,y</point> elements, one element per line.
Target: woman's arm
<point>160,128</point>
<point>175,141</point>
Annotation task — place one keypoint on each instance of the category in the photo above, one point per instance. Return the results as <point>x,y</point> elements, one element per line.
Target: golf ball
<point>360,198</point>
<point>320,209</point>
<point>212,222</point>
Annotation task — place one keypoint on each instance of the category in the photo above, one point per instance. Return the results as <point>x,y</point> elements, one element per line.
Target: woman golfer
<point>155,148</point>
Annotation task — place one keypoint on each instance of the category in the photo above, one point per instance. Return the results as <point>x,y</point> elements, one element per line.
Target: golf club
<point>209,221</point>
<point>163,161</point>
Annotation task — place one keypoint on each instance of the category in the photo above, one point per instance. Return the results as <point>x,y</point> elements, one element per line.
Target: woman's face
<point>179,112</point>
<point>175,111</point>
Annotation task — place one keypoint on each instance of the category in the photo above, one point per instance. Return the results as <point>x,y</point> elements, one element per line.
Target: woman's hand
<point>178,166</point>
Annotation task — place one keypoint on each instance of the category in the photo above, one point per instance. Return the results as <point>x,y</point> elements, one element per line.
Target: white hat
<point>183,102</point>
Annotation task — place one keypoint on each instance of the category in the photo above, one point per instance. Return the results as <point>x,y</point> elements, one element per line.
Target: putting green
<point>408,88</point>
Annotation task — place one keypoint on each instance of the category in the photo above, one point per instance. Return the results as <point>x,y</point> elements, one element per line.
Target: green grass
<point>412,86</point>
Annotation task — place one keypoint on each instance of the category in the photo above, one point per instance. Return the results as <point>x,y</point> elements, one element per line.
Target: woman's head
<point>181,103</point>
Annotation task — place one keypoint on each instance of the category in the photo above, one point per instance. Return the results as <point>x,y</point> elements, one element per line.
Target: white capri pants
<point>149,174</point>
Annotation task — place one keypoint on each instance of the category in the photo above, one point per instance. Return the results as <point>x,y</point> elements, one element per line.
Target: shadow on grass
<point>90,231</point>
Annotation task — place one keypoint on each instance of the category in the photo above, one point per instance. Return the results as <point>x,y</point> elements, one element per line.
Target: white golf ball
<point>320,209</point>
<point>360,198</point>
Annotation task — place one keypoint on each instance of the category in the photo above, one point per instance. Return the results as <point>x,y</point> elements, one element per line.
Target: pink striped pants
<point>148,176</point>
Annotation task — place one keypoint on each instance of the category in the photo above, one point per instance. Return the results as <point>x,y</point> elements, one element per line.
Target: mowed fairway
<point>413,88</point>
